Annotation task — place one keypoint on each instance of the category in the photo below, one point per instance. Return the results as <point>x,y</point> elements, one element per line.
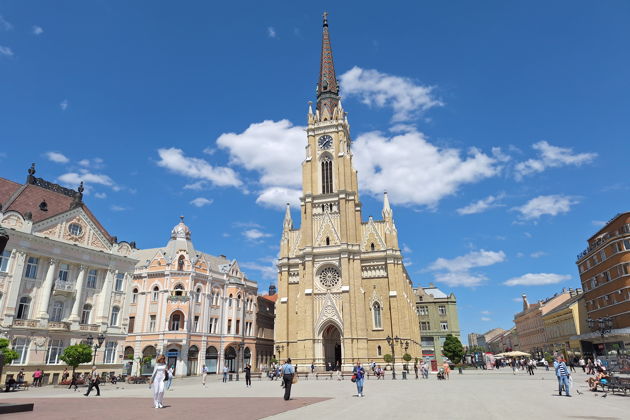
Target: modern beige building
<point>342,285</point>
<point>563,323</point>
<point>195,308</point>
<point>437,313</point>
<point>63,278</point>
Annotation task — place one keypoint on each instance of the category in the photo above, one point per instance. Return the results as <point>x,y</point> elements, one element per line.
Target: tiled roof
<point>272,298</point>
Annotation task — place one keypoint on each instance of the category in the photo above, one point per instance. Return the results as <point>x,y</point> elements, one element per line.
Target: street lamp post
<point>239,346</point>
<point>90,340</point>
<point>391,342</point>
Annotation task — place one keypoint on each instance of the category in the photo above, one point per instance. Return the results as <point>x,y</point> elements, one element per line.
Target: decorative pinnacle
<point>325,15</point>
<point>181,218</point>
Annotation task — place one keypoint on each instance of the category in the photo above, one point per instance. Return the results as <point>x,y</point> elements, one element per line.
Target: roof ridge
<point>14,196</point>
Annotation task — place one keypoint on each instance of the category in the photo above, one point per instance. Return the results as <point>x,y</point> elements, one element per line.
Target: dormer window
<point>43,206</point>
<point>179,290</point>
<point>75,229</point>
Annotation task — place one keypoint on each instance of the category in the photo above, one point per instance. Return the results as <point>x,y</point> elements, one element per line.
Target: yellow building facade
<point>342,286</point>
<point>563,325</point>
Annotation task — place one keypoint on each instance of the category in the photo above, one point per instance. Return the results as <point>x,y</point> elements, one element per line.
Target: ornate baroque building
<point>342,285</point>
<point>192,307</point>
<point>63,277</point>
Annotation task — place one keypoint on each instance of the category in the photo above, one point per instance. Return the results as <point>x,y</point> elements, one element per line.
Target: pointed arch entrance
<point>331,341</point>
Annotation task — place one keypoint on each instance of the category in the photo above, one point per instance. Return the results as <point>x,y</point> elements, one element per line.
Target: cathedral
<point>344,294</point>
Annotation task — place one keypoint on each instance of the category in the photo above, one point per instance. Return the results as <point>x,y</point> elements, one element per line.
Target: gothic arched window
<point>180,263</point>
<point>372,246</point>
<point>327,179</point>
<point>376,314</point>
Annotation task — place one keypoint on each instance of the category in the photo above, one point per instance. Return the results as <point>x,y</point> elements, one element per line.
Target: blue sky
<point>499,129</point>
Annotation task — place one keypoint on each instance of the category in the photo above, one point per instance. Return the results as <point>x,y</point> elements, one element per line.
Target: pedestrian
<point>95,380</point>
<point>248,375</point>
<point>20,377</point>
<point>73,382</point>
<point>415,369</point>
<point>563,377</point>
<point>225,374</point>
<point>37,377</point>
<point>64,375</point>
<point>312,368</point>
<point>447,370</point>
<point>204,374</point>
<point>170,375</point>
<point>582,364</point>
<point>327,366</point>
<point>358,374</point>
<point>157,381</point>
<point>287,378</point>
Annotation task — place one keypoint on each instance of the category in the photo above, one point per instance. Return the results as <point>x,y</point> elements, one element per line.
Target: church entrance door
<point>332,347</point>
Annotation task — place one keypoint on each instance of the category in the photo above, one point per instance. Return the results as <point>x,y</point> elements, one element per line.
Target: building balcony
<point>64,287</point>
<point>177,298</point>
<point>26,323</point>
<point>60,326</point>
<point>89,327</point>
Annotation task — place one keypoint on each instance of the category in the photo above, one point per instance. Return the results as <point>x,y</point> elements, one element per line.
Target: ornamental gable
<point>75,227</point>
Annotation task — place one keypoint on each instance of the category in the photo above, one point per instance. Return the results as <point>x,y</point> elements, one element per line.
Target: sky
<point>498,128</point>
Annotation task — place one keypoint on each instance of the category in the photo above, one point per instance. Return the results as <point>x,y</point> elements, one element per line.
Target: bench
<point>326,375</point>
<point>616,383</point>
<point>256,375</point>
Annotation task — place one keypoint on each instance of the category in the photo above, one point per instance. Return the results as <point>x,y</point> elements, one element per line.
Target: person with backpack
<point>287,378</point>
<point>358,376</point>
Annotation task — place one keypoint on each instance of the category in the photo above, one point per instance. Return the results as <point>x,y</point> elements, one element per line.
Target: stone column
<point>105,296</point>
<point>78,297</point>
<point>234,303</point>
<point>47,289</point>
<point>18,258</point>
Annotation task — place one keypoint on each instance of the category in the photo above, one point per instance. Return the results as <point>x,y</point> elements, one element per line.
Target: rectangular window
<point>20,345</point>
<point>4,261</point>
<point>595,262</point>
<point>196,323</point>
<point>55,348</point>
<point>152,323</point>
<point>602,255</point>
<point>593,283</point>
<point>238,326</point>
<point>110,352</point>
<point>442,310</point>
<point>91,279</point>
<point>64,269</point>
<point>132,324</point>
<point>85,314</point>
<point>229,326</point>
<point>588,264</point>
<point>626,244</point>
<point>423,310</point>
<point>444,326</point>
<point>425,326</point>
<point>120,278</point>
<point>31,268</point>
<point>606,275</point>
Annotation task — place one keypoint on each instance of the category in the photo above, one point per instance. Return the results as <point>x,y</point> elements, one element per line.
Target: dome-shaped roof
<point>180,231</point>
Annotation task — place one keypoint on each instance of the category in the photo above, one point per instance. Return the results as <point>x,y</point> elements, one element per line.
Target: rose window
<point>329,277</point>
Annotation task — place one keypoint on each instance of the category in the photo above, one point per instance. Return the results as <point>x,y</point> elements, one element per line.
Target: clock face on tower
<point>325,142</point>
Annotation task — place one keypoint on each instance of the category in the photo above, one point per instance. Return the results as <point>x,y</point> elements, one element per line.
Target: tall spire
<point>327,87</point>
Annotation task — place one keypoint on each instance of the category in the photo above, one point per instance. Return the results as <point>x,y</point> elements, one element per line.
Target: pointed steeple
<point>327,87</point>
<point>288,222</point>
<point>387,210</point>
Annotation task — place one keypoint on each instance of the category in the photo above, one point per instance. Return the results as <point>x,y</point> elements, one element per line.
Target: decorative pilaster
<point>47,289</point>
<point>78,297</point>
<point>18,258</point>
<point>105,296</point>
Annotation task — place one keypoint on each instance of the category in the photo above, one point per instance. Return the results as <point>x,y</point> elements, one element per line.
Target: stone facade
<point>62,278</point>
<point>196,309</point>
<point>564,323</point>
<point>342,284</point>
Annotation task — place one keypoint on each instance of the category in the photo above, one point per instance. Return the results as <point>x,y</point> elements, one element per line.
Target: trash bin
<point>459,368</point>
<point>230,377</point>
<point>404,374</point>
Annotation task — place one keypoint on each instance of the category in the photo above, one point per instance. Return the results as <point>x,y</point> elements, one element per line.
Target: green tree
<point>75,355</point>
<point>453,349</point>
<point>8,354</point>
<point>406,357</point>
<point>388,358</point>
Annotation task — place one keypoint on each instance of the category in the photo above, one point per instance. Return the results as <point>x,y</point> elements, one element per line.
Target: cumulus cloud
<point>538,279</point>
<point>255,234</point>
<point>100,195</point>
<point>265,266</point>
<point>57,157</point>
<point>6,51</point>
<point>546,204</point>
<point>271,32</point>
<point>278,197</point>
<point>485,318</point>
<point>481,205</point>
<point>456,271</point>
<point>538,254</point>
<point>115,207</point>
<point>414,171</point>
<point>37,30</point>
<point>485,312</point>
<point>175,161</point>
<point>73,179</point>
<point>64,105</point>
<point>550,156</point>
<point>200,202</point>
<point>406,98</point>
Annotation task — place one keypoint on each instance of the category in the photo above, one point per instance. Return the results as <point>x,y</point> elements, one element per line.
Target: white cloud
<point>551,157</point>
<point>6,51</point>
<point>200,202</point>
<point>57,157</point>
<point>271,32</point>
<point>74,178</point>
<point>546,204</point>
<point>4,24</point>
<point>266,267</point>
<point>278,197</point>
<point>538,279</point>
<point>485,312</point>
<point>402,163</point>
<point>456,272</point>
<point>255,234</point>
<point>481,205</point>
<point>538,254</point>
<point>196,186</point>
<point>517,299</point>
<point>405,249</point>
<point>100,195</point>
<point>485,318</point>
<point>175,161</point>
<point>37,30</point>
<point>403,95</point>
<point>115,207</point>
<point>598,223</point>
<point>64,105</point>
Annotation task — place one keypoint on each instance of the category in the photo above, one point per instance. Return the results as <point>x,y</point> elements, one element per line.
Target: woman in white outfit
<point>157,381</point>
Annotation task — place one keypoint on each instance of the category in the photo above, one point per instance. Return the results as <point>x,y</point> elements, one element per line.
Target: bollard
<point>404,374</point>
<point>230,377</point>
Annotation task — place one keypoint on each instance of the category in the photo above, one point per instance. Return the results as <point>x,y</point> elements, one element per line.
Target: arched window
<point>230,301</point>
<point>327,180</point>
<point>176,322</point>
<point>85,313</point>
<point>113,321</point>
<point>376,314</point>
<point>57,312</point>
<point>180,263</point>
<point>179,290</point>
<point>134,295</point>
<point>24,308</point>
<point>238,302</point>
<point>372,246</point>
<point>327,240</point>
<point>155,293</point>
<point>198,295</point>
<point>379,351</point>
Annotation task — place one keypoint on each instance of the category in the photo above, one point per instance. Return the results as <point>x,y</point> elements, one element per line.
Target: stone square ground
<point>473,395</point>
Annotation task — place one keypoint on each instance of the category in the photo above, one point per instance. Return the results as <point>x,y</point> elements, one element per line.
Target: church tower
<point>342,286</point>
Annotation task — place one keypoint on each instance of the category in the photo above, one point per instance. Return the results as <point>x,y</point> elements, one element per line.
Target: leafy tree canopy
<point>388,358</point>
<point>8,354</point>
<point>76,354</point>
<point>453,349</point>
<point>406,357</point>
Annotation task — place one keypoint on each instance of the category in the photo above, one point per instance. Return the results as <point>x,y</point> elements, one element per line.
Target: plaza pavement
<point>473,395</point>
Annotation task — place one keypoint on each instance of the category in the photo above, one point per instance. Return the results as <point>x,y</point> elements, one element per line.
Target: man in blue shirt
<point>287,377</point>
<point>562,373</point>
